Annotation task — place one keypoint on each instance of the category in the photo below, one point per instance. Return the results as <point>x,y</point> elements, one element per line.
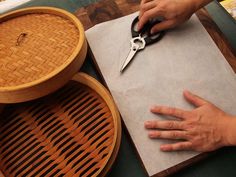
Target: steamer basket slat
<point>75,131</point>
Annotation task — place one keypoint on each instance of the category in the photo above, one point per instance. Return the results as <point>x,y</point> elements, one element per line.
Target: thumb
<point>194,99</point>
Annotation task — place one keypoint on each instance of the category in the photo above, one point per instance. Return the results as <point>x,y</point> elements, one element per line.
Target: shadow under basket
<point>75,131</point>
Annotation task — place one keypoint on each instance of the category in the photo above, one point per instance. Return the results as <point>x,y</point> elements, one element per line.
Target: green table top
<point>220,164</point>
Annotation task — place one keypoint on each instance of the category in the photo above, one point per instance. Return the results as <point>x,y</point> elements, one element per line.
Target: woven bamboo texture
<point>35,45</point>
<point>73,132</point>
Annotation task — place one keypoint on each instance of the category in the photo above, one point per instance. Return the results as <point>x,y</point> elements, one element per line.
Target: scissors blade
<point>132,52</point>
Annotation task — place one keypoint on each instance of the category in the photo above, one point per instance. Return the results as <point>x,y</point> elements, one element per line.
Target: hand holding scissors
<point>141,38</point>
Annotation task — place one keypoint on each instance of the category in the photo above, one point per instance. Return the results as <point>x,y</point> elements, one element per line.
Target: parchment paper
<point>186,58</point>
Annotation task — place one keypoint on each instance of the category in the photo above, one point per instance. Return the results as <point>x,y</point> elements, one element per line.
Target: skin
<point>174,12</point>
<point>205,128</point>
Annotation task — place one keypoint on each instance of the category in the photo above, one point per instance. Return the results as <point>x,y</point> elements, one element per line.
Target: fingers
<point>167,125</point>
<point>164,25</point>
<point>174,135</point>
<point>177,146</point>
<point>144,1</point>
<point>152,13</point>
<point>194,99</point>
<point>145,7</point>
<point>170,111</point>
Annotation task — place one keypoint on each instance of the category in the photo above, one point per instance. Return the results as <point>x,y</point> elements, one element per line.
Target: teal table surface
<point>220,164</point>
<point>224,21</point>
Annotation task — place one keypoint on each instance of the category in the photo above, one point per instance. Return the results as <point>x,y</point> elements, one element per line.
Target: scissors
<point>141,38</point>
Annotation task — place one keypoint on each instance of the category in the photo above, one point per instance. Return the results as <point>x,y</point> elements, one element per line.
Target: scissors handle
<point>150,38</point>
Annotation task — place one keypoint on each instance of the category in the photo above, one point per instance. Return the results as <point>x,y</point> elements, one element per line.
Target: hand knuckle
<point>160,108</point>
<point>174,134</point>
<point>142,8</point>
<point>183,125</point>
<point>157,134</point>
<point>182,146</point>
<point>189,125</point>
<point>154,124</point>
<point>180,113</point>
<point>161,5</point>
<point>199,118</point>
<point>170,125</point>
<point>172,111</point>
<point>147,14</point>
<point>188,135</point>
<point>180,125</point>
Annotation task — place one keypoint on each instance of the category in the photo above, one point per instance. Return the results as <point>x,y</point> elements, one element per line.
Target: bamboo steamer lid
<point>41,48</point>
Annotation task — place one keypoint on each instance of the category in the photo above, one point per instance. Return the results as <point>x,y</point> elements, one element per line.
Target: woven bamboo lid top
<point>33,46</point>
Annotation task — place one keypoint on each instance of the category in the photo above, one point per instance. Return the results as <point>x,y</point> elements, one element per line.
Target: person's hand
<point>174,12</point>
<point>205,128</point>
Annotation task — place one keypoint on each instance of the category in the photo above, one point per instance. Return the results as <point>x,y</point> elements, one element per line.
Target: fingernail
<point>162,148</point>
<point>151,134</point>
<point>186,91</point>
<point>152,108</point>
<point>147,124</point>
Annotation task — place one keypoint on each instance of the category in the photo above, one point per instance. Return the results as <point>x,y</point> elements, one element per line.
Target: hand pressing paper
<point>186,58</point>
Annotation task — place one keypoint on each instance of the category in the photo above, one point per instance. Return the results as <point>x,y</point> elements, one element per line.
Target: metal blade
<point>132,52</point>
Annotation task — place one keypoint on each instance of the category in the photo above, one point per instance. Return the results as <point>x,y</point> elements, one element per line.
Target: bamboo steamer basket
<point>75,131</point>
<point>41,48</point>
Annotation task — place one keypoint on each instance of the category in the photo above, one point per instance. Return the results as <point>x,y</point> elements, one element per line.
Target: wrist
<point>230,131</point>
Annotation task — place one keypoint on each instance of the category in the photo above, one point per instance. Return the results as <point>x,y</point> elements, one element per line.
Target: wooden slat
<point>71,132</point>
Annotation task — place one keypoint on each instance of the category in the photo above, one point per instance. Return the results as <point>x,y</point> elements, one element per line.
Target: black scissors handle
<point>149,38</point>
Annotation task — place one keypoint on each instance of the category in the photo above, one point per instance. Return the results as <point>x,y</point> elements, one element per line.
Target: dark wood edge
<point>218,37</point>
<point>182,165</point>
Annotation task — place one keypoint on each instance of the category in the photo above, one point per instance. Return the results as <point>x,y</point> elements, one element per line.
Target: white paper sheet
<point>186,58</point>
